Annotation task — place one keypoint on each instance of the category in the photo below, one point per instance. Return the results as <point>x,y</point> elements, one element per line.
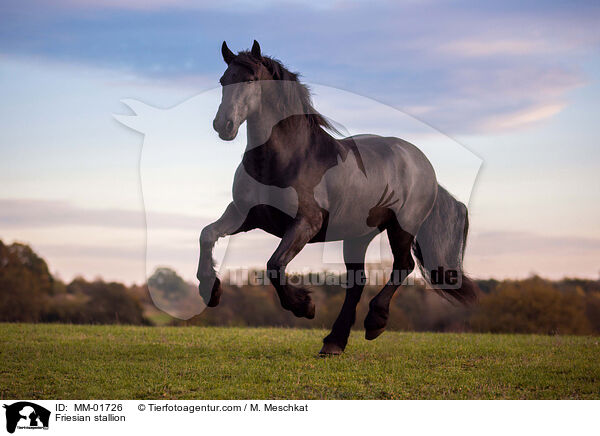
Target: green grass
<point>118,362</point>
<point>159,318</point>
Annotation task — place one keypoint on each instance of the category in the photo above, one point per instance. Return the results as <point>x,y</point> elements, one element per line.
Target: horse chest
<point>249,192</point>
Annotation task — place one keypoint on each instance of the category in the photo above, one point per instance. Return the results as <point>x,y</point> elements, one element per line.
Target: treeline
<point>533,305</point>
<point>29,293</point>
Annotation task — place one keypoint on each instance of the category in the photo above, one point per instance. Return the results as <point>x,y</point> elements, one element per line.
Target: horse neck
<point>287,138</point>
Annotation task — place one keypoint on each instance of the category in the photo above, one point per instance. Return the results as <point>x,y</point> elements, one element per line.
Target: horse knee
<point>274,265</point>
<point>207,237</point>
<point>274,269</point>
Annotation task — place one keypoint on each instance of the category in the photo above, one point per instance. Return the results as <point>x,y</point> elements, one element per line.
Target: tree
<point>168,283</point>
<point>25,284</point>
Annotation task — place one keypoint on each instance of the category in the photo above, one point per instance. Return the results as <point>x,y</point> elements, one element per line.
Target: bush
<point>531,306</point>
<point>101,303</point>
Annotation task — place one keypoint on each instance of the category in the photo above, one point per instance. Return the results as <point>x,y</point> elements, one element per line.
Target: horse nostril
<point>229,126</point>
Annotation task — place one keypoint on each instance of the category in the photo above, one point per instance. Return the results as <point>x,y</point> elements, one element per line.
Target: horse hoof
<point>215,292</point>
<point>215,295</point>
<point>330,349</point>
<point>306,310</point>
<point>375,322</point>
<point>310,311</point>
<point>372,334</point>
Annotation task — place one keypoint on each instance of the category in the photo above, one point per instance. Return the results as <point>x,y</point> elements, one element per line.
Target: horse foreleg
<point>354,258</point>
<point>210,285</point>
<point>295,238</point>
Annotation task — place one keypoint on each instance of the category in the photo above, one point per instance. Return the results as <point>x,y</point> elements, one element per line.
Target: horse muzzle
<point>226,129</point>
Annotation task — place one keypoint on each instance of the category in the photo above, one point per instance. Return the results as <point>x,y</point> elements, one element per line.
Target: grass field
<point>118,362</point>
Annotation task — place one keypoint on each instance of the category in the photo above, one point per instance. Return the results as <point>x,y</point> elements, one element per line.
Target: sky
<point>514,83</point>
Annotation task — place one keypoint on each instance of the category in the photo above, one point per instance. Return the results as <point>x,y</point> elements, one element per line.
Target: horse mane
<point>291,96</point>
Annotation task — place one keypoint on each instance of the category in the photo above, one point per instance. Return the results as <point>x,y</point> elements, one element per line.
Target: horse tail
<point>439,248</point>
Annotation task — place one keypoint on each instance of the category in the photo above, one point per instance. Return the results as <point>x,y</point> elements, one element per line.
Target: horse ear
<point>227,54</point>
<point>256,50</point>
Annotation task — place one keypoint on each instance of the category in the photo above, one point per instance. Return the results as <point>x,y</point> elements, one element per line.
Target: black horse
<point>298,182</point>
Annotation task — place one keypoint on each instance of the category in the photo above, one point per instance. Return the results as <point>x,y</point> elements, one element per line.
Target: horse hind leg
<point>354,258</point>
<point>379,307</point>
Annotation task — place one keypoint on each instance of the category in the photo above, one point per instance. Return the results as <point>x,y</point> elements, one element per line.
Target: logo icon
<point>26,415</point>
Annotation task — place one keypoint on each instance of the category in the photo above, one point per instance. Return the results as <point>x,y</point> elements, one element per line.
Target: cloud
<point>521,254</point>
<point>522,117</point>
<point>157,5</point>
<point>489,254</point>
<point>91,252</point>
<point>492,244</point>
<point>470,62</point>
<point>42,213</point>
<point>501,99</point>
<point>479,48</point>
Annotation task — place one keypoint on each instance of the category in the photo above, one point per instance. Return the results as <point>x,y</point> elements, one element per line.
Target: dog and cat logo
<point>26,415</point>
